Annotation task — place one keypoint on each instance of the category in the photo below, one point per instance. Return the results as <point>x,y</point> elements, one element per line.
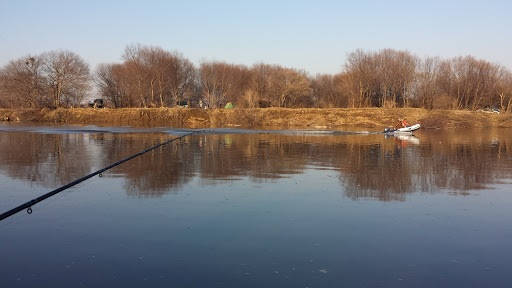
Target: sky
<point>312,35</point>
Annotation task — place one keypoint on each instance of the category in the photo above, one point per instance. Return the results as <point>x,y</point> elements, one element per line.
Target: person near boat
<point>402,127</point>
<point>402,123</point>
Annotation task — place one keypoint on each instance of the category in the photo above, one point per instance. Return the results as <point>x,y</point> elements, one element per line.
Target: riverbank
<point>280,118</point>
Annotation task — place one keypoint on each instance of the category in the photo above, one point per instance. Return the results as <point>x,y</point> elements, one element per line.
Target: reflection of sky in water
<point>211,212</point>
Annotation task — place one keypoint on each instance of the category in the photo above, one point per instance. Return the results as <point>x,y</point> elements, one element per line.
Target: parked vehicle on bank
<point>97,103</point>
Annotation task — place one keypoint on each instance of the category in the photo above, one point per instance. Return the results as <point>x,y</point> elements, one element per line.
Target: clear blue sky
<point>311,35</point>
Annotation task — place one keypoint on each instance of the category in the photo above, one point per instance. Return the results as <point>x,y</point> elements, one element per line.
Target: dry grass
<point>336,118</point>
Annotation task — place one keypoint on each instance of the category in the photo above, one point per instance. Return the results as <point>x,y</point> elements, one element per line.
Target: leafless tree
<point>280,86</point>
<point>383,78</point>
<point>290,88</point>
<point>22,83</point>
<point>504,90</point>
<point>330,90</point>
<point>150,76</point>
<point>67,77</point>
<point>222,82</point>
<point>427,75</point>
<point>109,83</point>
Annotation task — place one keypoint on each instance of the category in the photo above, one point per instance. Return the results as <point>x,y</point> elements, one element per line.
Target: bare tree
<point>427,74</point>
<point>281,87</point>
<point>383,78</point>
<point>330,90</point>
<point>290,88</point>
<point>22,83</point>
<point>222,83</point>
<point>182,74</point>
<point>108,80</point>
<point>259,93</point>
<point>67,77</point>
<point>503,88</point>
<point>148,77</point>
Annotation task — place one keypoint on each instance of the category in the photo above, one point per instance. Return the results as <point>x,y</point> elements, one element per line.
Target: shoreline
<point>280,118</point>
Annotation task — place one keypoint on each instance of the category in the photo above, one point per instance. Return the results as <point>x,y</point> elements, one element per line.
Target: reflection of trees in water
<point>377,171</point>
<point>258,157</point>
<point>465,166</point>
<point>212,157</point>
<point>44,158</point>
<point>154,173</point>
<point>454,163</point>
<point>369,166</point>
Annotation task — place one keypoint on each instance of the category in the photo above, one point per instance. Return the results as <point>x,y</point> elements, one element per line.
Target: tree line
<point>150,76</point>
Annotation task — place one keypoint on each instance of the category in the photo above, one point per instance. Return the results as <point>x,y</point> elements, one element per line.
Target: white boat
<point>402,131</point>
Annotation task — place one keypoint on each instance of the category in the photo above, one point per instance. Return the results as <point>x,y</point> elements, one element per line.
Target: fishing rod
<point>28,205</point>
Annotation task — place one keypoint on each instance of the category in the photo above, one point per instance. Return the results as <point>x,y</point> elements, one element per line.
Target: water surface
<point>228,208</point>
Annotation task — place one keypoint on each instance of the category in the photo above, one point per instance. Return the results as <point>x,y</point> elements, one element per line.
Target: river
<point>237,208</point>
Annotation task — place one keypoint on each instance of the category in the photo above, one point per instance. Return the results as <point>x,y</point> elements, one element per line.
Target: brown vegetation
<point>150,77</point>
<point>53,79</point>
<point>272,118</point>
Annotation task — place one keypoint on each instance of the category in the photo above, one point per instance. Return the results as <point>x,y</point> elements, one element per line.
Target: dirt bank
<point>281,118</point>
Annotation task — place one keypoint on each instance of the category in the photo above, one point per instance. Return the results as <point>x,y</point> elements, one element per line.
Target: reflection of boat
<point>405,138</point>
<point>402,131</point>
<point>408,138</point>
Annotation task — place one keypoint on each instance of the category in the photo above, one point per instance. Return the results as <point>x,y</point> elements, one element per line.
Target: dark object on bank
<point>97,103</point>
<point>264,104</point>
<point>183,103</point>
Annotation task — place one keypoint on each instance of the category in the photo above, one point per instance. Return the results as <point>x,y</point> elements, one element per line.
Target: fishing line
<point>28,205</point>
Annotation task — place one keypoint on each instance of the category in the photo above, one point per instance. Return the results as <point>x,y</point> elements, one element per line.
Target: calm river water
<point>236,209</point>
